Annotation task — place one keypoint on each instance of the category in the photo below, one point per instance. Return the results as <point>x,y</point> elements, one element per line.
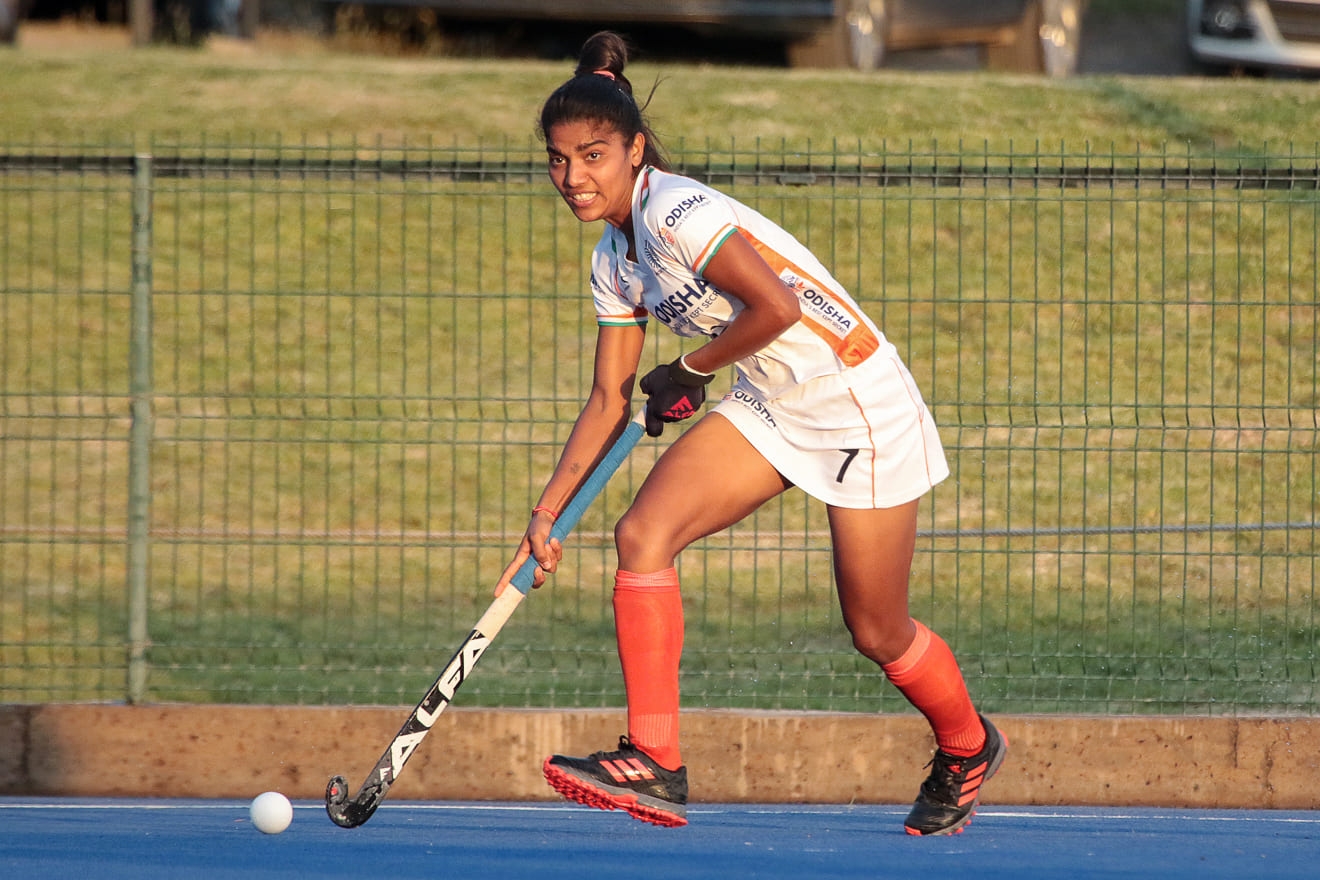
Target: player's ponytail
<point>605,54</point>
<point>600,92</point>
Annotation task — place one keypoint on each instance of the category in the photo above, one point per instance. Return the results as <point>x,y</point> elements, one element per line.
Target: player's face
<point>594,167</point>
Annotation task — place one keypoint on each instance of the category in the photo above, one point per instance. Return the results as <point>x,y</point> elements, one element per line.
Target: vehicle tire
<point>856,38</point>
<point>1046,40</point>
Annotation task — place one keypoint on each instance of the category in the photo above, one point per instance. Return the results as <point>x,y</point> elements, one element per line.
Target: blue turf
<point>85,839</point>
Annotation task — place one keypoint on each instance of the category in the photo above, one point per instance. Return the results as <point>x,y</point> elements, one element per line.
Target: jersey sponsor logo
<point>674,308</point>
<point>680,212</point>
<point>737,395</point>
<point>823,308</point>
<point>833,321</point>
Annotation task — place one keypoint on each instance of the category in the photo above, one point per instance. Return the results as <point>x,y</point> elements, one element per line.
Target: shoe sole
<point>601,797</point>
<point>957,827</point>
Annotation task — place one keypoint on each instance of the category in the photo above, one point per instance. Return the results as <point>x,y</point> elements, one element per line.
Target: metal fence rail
<point>272,415</point>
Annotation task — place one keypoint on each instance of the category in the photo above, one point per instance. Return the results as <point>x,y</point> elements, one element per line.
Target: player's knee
<point>629,536</point>
<point>643,545</point>
<point>882,641</point>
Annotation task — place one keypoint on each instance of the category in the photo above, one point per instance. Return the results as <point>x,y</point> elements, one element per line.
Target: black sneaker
<point>949,795</point>
<point>627,780</point>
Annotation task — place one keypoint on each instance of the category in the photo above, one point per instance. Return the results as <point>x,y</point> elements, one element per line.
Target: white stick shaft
<point>499,612</point>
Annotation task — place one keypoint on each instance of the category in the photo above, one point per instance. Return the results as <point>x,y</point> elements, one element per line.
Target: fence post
<point>140,431</point>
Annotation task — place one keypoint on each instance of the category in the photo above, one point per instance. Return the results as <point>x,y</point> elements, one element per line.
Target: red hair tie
<point>605,73</point>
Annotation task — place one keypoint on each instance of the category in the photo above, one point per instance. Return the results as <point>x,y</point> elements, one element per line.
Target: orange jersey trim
<point>852,349</point>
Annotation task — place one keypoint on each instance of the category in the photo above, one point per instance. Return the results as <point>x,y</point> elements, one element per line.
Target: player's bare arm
<point>769,307</point>
<point>604,414</point>
<point>602,420</point>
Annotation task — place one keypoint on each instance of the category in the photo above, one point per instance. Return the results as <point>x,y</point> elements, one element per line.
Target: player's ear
<point>637,150</point>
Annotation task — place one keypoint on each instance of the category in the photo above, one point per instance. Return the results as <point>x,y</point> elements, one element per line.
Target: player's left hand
<point>674,393</point>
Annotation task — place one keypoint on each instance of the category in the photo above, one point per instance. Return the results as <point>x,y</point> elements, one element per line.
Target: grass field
<point>351,417</point>
<point>74,90</point>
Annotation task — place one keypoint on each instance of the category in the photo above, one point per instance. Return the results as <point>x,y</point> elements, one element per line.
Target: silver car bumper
<point>1255,33</point>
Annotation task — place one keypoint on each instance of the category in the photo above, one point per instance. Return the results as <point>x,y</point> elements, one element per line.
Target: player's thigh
<point>873,552</point>
<point>710,478</point>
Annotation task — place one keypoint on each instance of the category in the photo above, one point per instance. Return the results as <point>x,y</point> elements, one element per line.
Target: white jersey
<point>679,224</point>
<point>822,388</point>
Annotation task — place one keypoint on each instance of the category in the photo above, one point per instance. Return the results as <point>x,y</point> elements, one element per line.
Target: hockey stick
<point>350,813</point>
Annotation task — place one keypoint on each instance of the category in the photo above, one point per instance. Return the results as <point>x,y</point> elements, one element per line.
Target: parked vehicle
<point>1255,35</point>
<point>1039,36</point>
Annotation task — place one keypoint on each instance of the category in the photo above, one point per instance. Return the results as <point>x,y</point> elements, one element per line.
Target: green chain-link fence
<point>272,417</point>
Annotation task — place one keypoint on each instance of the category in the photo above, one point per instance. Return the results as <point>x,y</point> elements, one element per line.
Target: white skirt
<point>862,438</point>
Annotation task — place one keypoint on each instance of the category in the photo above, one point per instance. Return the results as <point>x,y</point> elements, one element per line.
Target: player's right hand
<point>537,543</point>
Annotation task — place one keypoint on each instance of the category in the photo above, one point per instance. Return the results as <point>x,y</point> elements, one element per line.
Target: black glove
<point>674,393</point>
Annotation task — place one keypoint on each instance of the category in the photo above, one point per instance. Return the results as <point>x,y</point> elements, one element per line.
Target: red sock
<point>928,675</point>
<point>648,623</point>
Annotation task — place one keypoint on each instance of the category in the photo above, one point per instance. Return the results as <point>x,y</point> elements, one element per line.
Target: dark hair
<point>599,92</point>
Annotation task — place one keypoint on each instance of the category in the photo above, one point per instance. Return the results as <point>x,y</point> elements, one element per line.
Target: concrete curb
<point>205,751</point>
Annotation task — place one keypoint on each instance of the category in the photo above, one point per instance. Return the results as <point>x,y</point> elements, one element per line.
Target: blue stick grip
<point>569,517</point>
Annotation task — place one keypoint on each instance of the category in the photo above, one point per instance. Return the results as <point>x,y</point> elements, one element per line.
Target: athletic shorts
<point>862,438</point>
